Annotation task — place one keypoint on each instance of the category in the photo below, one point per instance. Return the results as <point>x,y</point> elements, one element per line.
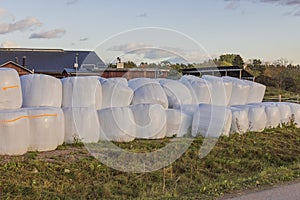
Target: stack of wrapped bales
<point>82,97</point>
<point>42,98</point>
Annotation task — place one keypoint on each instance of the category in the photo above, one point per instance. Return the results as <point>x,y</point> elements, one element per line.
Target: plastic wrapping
<point>177,93</point>
<point>256,92</point>
<point>240,91</point>
<point>257,118</point>
<point>188,109</point>
<point>41,90</point>
<point>273,115</point>
<point>117,124</point>
<point>178,123</point>
<point>221,90</point>
<point>150,121</point>
<point>116,93</point>
<point>81,124</point>
<point>82,92</point>
<point>198,87</point>
<point>285,112</point>
<point>148,91</point>
<point>46,128</point>
<point>211,121</point>
<point>240,121</point>
<point>14,132</point>
<point>295,110</point>
<point>10,89</point>
<point>119,80</point>
<point>138,82</point>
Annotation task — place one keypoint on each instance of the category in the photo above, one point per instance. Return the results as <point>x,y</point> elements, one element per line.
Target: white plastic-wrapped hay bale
<point>188,109</point>
<point>211,121</point>
<point>198,87</point>
<point>150,121</point>
<point>116,93</point>
<point>240,91</point>
<point>10,89</point>
<point>41,90</point>
<point>81,124</point>
<point>177,93</point>
<point>148,91</point>
<point>256,92</point>
<point>46,128</point>
<point>117,124</point>
<point>178,123</point>
<point>285,112</point>
<point>240,121</point>
<point>257,118</point>
<point>120,80</point>
<point>82,92</point>
<point>220,90</point>
<point>273,115</point>
<point>14,132</point>
<point>295,110</point>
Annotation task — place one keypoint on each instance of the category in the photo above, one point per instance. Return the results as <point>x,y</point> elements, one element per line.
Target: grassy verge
<point>250,161</point>
<point>272,94</point>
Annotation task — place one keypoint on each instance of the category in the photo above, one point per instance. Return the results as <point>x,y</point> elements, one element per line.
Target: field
<point>238,162</point>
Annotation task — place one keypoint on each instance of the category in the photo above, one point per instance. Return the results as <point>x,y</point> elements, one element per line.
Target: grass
<point>238,162</point>
<point>272,94</point>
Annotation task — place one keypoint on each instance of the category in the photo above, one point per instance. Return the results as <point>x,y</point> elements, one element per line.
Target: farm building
<point>63,63</point>
<point>233,71</point>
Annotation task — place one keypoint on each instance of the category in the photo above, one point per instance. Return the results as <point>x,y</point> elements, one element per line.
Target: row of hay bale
<point>39,112</point>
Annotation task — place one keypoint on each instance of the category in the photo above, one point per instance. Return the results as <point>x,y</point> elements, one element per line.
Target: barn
<point>233,71</point>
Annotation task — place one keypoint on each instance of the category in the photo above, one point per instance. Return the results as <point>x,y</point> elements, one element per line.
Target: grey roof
<point>50,60</point>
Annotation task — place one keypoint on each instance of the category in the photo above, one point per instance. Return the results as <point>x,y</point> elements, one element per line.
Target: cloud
<point>21,25</point>
<point>232,4</point>
<point>56,33</point>
<point>283,2</point>
<point>290,3</point>
<point>297,13</point>
<point>9,44</point>
<point>157,53</point>
<point>83,39</point>
<point>129,47</point>
<point>3,12</point>
<point>142,15</point>
<point>151,53</point>
<point>71,2</point>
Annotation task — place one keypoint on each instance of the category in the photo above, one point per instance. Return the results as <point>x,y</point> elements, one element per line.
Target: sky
<point>155,29</point>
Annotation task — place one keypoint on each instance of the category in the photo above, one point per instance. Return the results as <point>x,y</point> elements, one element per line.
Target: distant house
<point>50,61</point>
<point>19,68</point>
<point>233,71</point>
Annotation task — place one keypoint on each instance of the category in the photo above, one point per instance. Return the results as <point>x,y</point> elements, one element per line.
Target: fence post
<point>279,98</point>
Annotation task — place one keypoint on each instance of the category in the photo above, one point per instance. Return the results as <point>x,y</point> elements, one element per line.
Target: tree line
<point>280,74</point>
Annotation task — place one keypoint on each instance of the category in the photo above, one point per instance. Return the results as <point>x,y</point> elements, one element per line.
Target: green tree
<point>238,61</point>
<point>231,59</point>
<point>129,64</point>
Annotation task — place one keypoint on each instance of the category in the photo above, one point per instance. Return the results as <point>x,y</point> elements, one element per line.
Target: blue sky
<point>265,29</point>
